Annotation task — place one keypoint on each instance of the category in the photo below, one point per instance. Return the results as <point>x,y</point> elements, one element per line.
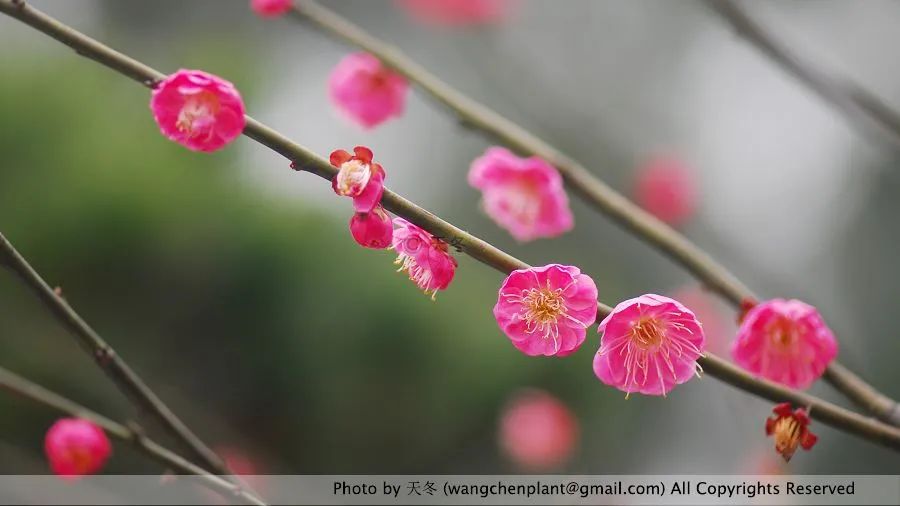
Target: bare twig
<point>24,388</point>
<point>861,108</point>
<point>478,249</point>
<point>590,188</point>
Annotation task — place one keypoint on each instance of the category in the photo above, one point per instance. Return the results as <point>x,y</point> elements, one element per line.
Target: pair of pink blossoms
<point>652,343</point>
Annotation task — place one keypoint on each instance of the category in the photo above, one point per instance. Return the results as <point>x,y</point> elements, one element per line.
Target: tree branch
<point>861,108</point>
<point>24,388</point>
<point>478,249</point>
<point>590,188</point>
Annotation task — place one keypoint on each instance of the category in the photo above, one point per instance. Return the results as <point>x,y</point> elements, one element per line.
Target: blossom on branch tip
<point>76,447</point>
<point>785,341</point>
<point>373,229</point>
<point>425,258</point>
<point>523,195</point>
<point>790,429</point>
<point>358,178</point>
<point>365,90</point>
<point>456,12</point>
<point>270,8</point>
<point>546,310</point>
<point>666,188</point>
<point>537,431</point>
<point>650,344</point>
<point>198,110</point>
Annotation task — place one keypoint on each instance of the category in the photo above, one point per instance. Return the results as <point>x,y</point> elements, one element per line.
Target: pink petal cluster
<point>546,310</point>
<point>76,447</point>
<point>537,431</point>
<point>366,91</point>
<point>523,195</point>
<point>650,344</point>
<point>373,229</point>
<point>785,341</point>
<point>270,8</point>
<point>362,180</point>
<point>456,12</point>
<point>198,110</point>
<point>425,258</point>
<point>666,188</point>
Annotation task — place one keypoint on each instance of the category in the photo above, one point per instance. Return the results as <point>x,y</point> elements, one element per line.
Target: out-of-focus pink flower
<point>198,110</point>
<point>791,430</point>
<point>718,320</point>
<point>537,431</point>
<point>366,91</point>
<point>546,310</point>
<point>523,195</point>
<point>76,447</point>
<point>650,344</point>
<point>456,12</point>
<point>785,341</point>
<point>358,178</point>
<point>373,229</point>
<point>425,258</point>
<point>250,467</point>
<point>666,188</point>
<point>270,8</point>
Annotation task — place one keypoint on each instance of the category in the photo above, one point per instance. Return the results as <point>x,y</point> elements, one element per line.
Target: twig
<point>861,108</point>
<point>22,387</point>
<point>478,249</point>
<point>597,193</point>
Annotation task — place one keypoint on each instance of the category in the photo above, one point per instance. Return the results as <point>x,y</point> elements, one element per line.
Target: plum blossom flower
<point>425,258</point>
<point>546,310</point>
<point>537,431</point>
<point>456,12</point>
<point>650,344</point>
<point>198,110</point>
<point>785,341</point>
<point>523,195</point>
<point>366,91</point>
<point>790,429</point>
<point>358,177</point>
<point>666,188</point>
<point>373,229</point>
<point>76,447</point>
<point>270,8</point>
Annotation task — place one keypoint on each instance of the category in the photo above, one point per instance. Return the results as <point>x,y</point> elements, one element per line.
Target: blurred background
<point>231,284</point>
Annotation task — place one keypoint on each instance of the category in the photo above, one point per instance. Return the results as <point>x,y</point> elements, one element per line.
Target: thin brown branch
<point>861,108</point>
<point>303,159</point>
<point>590,188</point>
<point>26,389</point>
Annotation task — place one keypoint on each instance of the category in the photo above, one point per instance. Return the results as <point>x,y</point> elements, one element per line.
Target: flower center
<point>543,305</point>
<point>198,113</point>
<point>522,202</point>
<point>353,177</point>
<point>648,333</point>
<point>783,334</point>
<point>787,435</point>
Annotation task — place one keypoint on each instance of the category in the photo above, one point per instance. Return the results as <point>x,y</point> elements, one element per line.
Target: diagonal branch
<point>24,388</point>
<point>303,159</point>
<point>862,109</point>
<point>590,188</point>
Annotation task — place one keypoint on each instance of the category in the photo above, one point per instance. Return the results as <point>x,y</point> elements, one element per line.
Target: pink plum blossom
<point>790,430</point>
<point>270,8</point>
<point>373,229</point>
<point>523,195</point>
<point>425,258</point>
<point>358,178</point>
<point>366,91</point>
<point>537,431</point>
<point>650,344</point>
<point>785,341</point>
<point>546,310</point>
<point>666,188</point>
<point>456,12</point>
<point>198,110</point>
<point>76,447</point>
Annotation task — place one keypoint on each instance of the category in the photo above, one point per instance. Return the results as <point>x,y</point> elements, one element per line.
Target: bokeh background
<point>232,286</point>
